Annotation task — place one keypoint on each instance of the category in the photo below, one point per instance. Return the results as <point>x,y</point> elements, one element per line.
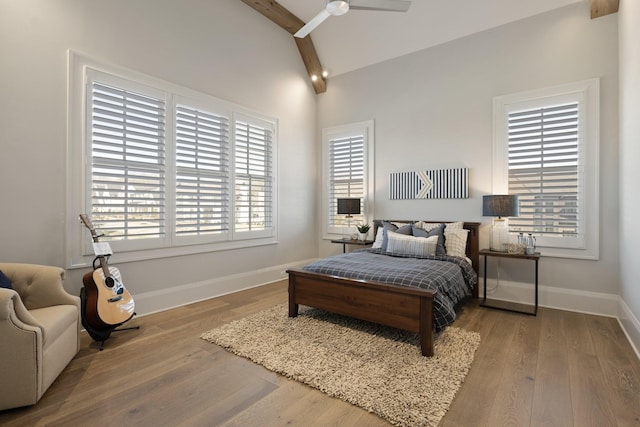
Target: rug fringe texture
<point>377,368</point>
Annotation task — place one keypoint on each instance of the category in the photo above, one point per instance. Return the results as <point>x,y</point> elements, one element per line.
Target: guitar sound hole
<point>109,282</point>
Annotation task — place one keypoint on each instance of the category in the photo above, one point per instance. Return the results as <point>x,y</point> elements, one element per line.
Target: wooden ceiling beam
<point>312,62</point>
<point>277,13</point>
<point>291,23</point>
<point>603,7</point>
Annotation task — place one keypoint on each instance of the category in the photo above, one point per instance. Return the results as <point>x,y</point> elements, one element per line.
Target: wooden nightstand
<point>347,241</point>
<point>505,305</point>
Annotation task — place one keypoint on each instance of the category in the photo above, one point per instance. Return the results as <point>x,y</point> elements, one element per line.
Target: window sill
<point>123,257</point>
<point>584,254</point>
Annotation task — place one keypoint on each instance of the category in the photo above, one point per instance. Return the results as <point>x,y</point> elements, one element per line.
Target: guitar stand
<point>128,328</point>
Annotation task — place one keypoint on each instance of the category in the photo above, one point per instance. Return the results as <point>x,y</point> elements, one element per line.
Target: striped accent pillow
<point>400,244</point>
<point>397,227</point>
<point>438,230</point>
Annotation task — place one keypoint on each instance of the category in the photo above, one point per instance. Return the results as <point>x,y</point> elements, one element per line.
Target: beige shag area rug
<point>377,368</point>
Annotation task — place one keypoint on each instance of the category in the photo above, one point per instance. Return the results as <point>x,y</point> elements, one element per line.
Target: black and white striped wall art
<point>431,184</point>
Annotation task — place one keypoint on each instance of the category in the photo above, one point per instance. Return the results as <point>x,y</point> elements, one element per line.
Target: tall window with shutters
<point>543,170</point>
<point>346,175</point>
<point>127,158</point>
<point>348,154</point>
<point>546,153</point>
<point>202,172</point>
<point>253,177</point>
<point>166,167</point>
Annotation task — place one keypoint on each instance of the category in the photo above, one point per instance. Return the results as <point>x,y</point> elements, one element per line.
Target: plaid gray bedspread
<point>451,278</point>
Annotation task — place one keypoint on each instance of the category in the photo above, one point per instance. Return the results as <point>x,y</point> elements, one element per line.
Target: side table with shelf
<point>348,241</point>
<point>505,305</point>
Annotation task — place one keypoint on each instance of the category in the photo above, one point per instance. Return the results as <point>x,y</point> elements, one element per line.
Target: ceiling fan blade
<point>311,25</point>
<point>386,5</point>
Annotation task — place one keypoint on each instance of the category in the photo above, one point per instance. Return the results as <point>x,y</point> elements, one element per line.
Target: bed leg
<point>426,326</point>
<point>293,307</point>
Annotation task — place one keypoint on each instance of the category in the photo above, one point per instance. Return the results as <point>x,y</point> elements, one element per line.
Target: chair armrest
<point>11,308</point>
<point>21,353</point>
<point>39,285</point>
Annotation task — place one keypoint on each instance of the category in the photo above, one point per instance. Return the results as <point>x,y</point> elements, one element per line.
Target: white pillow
<point>451,226</point>
<point>401,244</point>
<point>379,238</point>
<point>455,241</point>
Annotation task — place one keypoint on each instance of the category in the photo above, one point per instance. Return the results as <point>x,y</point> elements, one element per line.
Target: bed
<point>397,305</point>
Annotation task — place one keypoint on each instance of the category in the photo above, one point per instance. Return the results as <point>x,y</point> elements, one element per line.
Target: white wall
<point>629,34</point>
<point>433,109</point>
<point>221,47</point>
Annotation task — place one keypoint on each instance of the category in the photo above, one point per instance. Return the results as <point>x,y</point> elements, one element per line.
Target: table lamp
<point>500,205</point>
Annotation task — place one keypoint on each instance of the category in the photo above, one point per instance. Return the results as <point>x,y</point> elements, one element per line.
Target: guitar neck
<point>104,266</point>
<point>95,236</point>
<point>87,223</point>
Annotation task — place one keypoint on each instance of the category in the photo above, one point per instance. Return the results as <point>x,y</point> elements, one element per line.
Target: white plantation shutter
<point>546,151</point>
<point>544,170</point>
<point>346,176</point>
<point>202,172</point>
<point>127,162</point>
<point>253,194</point>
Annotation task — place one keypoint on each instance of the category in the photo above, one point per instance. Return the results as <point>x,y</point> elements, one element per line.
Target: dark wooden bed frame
<point>409,309</point>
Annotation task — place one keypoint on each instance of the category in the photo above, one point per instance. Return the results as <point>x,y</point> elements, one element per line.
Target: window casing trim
<point>78,248</point>
<point>365,128</point>
<point>587,94</point>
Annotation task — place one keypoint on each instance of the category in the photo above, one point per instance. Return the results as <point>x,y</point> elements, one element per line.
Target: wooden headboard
<point>473,240</point>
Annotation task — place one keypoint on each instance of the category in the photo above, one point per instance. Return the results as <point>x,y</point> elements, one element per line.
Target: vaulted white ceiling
<point>361,38</point>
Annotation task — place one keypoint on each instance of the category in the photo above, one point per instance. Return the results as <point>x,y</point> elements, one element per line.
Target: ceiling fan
<point>340,7</point>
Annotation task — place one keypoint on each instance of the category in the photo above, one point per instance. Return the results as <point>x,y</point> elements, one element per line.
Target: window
<point>166,167</point>
<point>202,172</point>
<point>348,154</point>
<point>546,153</point>
<point>253,178</point>
<point>127,156</point>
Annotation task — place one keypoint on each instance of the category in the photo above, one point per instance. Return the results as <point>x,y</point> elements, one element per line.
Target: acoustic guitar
<point>108,303</point>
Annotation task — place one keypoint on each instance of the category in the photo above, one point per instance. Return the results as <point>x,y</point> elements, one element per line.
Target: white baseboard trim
<point>587,302</point>
<point>559,298</point>
<point>630,325</point>
<point>164,299</point>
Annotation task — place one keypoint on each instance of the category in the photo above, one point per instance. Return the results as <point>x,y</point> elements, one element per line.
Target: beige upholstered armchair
<point>39,332</point>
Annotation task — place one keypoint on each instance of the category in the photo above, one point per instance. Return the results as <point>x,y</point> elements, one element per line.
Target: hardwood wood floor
<point>556,369</point>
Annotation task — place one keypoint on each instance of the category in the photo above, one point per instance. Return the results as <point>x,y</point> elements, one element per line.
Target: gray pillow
<point>437,231</point>
<point>388,226</point>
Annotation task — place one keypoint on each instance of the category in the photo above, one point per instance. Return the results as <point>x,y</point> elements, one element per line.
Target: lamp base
<point>348,234</point>
<point>499,235</point>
